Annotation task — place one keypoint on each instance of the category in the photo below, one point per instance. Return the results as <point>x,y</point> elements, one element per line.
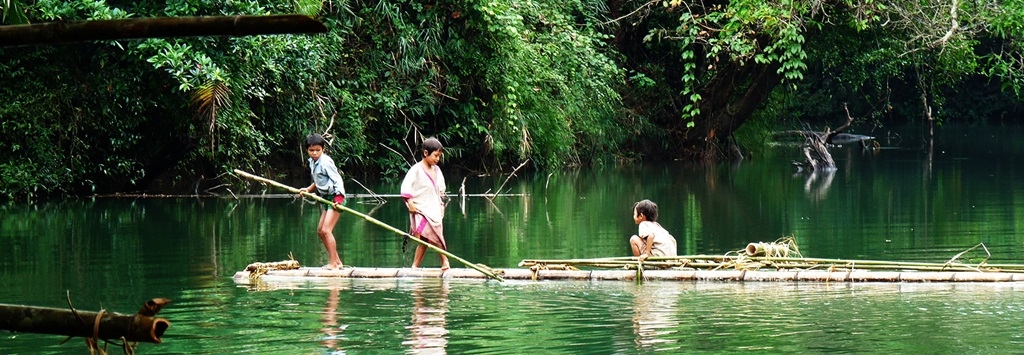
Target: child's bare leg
<point>637,244</point>
<point>420,251</point>
<point>444,263</point>
<point>326,232</point>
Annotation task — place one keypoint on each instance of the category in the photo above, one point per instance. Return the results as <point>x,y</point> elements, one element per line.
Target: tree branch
<point>156,27</point>
<point>953,28</point>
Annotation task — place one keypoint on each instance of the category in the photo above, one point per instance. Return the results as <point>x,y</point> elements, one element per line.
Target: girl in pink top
<point>423,189</point>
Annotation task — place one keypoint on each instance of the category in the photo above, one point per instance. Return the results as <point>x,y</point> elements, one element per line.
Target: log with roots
<point>140,327</point>
<point>816,152</point>
<point>817,155</point>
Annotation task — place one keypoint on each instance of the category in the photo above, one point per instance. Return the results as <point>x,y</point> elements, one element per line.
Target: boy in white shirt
<point>651,239</point>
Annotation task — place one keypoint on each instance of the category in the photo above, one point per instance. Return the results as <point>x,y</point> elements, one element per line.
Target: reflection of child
<point>429,331</point>
<point>422,190</point>
<point>327,183</point>
<point>651,239</point>
<point>330,321</point>
<point>657,316</point>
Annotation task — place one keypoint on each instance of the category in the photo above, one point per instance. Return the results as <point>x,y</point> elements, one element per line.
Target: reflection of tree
<point>717,212</point>
<point>331,329</point>
<point>815,189</point>
<point>428,331</point>
<point>654,305</point>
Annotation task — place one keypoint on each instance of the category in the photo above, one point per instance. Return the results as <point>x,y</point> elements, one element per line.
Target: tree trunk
<point>100,30</point>
<point>728,102</point>
<point>141,327</point>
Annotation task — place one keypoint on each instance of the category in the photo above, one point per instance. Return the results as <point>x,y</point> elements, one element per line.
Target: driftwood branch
<point>849,119</point>
<point>156,27</point>
<point>140,327</point>
<point>376,197</point>
<point>510,176</point>
<point>398,154</point>
<point>816,151</point>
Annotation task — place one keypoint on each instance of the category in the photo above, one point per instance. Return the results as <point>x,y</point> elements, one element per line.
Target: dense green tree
<point>557,83</point>
<point>713,64</point>
<point>500,83</point>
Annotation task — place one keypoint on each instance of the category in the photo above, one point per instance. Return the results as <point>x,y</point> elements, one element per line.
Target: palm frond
<point>309,8</point>
<point>208,99</point>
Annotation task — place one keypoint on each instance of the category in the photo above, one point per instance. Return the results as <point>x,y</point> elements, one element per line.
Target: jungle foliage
<point>560,83</point>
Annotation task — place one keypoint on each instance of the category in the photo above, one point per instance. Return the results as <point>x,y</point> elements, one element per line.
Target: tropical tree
<point>715,63</point>
<point>500,83</point>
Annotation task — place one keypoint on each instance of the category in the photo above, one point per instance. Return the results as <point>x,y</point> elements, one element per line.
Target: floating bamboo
<point>288,277</point>
<point>140,327</point>
<point>742,262</point>
<point>478,267</point>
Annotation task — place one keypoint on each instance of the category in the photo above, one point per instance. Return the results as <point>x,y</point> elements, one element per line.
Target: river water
<point>913,199</point>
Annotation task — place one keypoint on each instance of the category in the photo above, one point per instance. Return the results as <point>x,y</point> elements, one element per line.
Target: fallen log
<point>141,327</point>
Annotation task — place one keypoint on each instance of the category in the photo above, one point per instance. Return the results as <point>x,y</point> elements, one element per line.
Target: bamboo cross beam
<point>478,267</point>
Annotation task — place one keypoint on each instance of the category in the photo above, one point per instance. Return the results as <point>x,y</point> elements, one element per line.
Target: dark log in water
<point>142,327</point>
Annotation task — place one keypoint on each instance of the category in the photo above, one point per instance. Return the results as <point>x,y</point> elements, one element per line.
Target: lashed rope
<point>781,248</point>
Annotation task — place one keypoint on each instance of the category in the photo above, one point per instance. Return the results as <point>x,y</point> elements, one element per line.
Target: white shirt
<point>664,243</point>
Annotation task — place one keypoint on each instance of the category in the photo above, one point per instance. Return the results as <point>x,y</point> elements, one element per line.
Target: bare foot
<point>445,267</point>
<point>333,267</point>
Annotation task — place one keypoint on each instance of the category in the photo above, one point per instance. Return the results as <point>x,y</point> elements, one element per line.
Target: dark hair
<point>315,139</point>
<point>647,208</point>
<point>431,145</point>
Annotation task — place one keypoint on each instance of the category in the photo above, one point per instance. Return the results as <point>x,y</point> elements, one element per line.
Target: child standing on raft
<point>422,189</point>
<point>651,239</point>
<point>327,183</point>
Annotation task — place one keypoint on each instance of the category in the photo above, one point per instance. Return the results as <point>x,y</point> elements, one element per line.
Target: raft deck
<point>306,273</point>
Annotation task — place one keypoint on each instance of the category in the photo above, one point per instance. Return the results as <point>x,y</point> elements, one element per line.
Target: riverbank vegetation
<point>558,83</point>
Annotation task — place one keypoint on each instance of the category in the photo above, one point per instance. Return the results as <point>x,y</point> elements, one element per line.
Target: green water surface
<point>910,201</point>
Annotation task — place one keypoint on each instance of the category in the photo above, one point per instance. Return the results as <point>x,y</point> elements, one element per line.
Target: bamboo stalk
<point>478,267</point>
<point>648,261</point>
<point>737,261</point>
<point>821,260</point>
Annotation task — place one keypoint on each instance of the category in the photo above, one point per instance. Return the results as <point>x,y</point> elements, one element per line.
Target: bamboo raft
<point>243,277</point>
<point>778,261</point>
<point>775,261</point>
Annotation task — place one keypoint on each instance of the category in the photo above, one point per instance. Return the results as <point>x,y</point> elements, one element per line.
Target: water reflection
<point>654,310</point>
<point>428,331</point>
<point>817,184</point>
<point>332,331</point>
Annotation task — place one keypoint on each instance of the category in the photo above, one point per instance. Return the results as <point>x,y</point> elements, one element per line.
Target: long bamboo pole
<point>795,259</point>
<point>486,271</point>
<point>722,261</point>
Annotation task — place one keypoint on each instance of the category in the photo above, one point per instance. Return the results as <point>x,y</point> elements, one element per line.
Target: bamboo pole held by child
<point>478,267</point>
